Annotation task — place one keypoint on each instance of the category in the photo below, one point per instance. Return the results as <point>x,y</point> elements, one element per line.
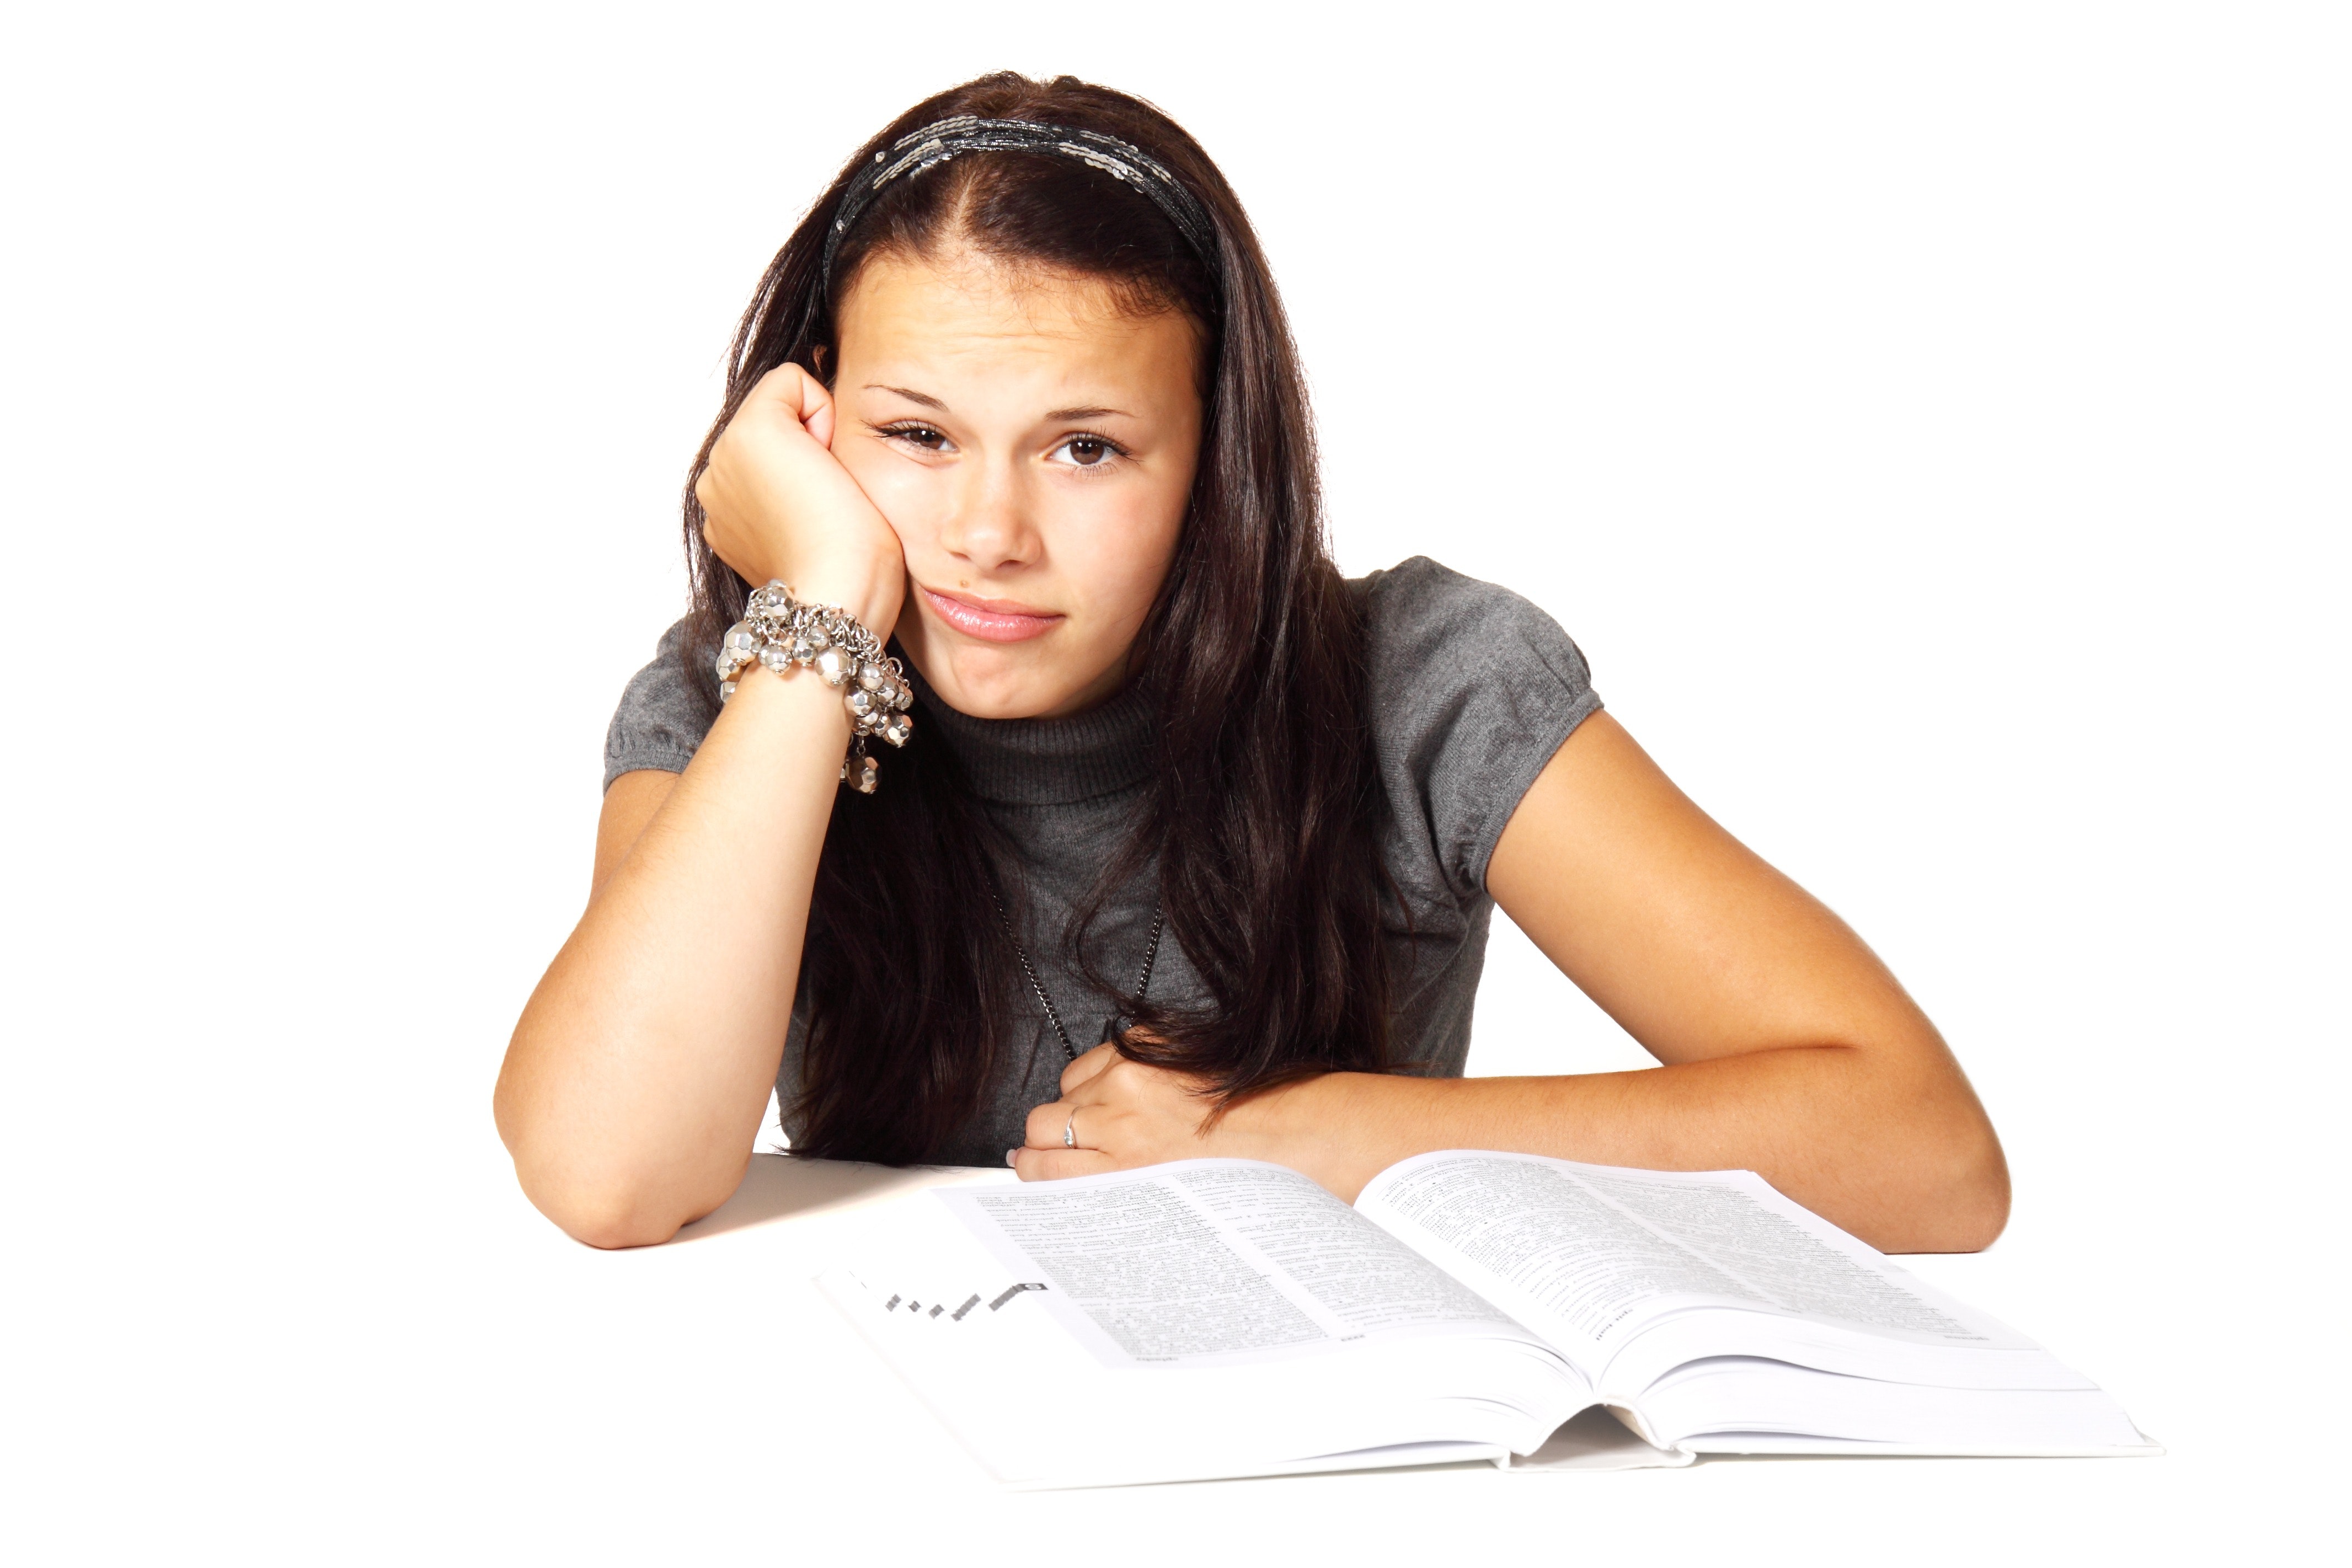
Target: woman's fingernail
<point>1009,1156</point>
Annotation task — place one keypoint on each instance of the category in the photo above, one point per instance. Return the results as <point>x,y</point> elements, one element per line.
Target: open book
<point>1226,1317</point>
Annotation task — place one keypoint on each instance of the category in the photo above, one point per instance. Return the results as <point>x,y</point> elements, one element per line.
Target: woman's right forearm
<point>634,1085</point>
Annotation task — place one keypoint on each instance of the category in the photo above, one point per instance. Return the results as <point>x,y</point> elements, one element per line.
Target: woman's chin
<point>985,683</point>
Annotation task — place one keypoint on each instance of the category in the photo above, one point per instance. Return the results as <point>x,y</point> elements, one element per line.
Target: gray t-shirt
<point>1473,689</point>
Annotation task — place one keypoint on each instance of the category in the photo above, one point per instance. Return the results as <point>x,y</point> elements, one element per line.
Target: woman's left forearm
<point>1900,1156</point>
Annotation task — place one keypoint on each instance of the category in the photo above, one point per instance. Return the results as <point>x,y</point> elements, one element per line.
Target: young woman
<point>1153,837</point>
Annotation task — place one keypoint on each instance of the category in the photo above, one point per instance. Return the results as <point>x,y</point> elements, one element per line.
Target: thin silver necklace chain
<point>1052,1013</point>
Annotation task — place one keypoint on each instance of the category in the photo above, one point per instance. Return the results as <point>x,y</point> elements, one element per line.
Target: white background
<point>1931,422</point>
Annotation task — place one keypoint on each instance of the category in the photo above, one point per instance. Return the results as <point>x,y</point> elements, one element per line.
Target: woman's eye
<point>1087,450</point>
<point>921,436</point>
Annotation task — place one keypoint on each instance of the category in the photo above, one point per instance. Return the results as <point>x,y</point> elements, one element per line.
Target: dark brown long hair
<point>1261,816</point>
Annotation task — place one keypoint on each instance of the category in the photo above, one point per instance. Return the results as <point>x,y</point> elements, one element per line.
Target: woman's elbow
<point>609,1226</point>
<point>1981,1206</point>
<point>599,1204</point>
<point>610,1213</point>
<point>1959,1198</point>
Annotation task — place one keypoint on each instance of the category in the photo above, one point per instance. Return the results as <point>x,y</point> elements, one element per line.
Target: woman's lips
<point>992,620</point>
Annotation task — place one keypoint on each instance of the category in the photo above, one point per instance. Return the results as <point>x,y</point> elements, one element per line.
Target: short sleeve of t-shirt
<point>1473,689</point>
<point>666,711</point>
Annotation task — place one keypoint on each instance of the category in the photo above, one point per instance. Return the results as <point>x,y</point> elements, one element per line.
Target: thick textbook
<point>1227,1317</point>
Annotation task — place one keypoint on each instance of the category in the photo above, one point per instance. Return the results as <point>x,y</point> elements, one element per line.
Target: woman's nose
<point>989,524</point>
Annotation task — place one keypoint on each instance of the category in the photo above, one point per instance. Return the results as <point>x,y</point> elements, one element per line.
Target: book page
<point>1206,1261</point>
<point>1591,1253</point>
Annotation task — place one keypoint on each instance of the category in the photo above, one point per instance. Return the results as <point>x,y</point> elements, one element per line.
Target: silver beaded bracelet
<point>782,633</point>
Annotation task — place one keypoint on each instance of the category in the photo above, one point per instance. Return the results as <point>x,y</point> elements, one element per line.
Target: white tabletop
<point>699,1402</point>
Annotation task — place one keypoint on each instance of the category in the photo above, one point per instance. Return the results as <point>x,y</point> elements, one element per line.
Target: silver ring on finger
<point>1070,1130</point>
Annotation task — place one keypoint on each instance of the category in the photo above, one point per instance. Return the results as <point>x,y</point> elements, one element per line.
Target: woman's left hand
<point>1123,1114</point>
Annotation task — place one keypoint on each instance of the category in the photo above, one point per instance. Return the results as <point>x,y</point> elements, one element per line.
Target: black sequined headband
<point>942,140</point>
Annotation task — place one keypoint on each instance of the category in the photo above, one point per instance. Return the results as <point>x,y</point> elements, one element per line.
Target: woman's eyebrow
<point>1053,416</point>
<point>909,394</point>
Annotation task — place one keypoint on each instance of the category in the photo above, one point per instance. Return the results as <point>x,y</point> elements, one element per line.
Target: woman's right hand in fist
<point>776,503</point>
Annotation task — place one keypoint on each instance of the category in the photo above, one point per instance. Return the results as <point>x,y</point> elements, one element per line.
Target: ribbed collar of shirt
<point>1045,761</point>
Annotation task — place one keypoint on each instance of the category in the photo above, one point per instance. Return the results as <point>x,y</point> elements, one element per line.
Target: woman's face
<point>1033,446</point>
